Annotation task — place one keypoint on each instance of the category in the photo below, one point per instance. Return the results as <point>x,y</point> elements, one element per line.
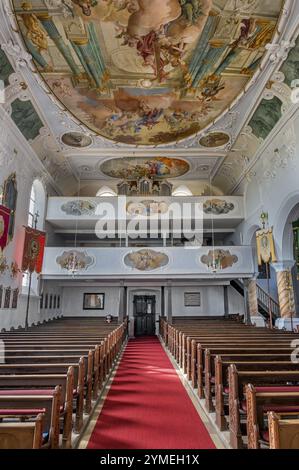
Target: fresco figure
<point>86,5</point>
<point>194,67</point>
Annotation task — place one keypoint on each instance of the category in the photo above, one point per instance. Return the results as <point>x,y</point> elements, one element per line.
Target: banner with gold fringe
<point>4,225</point>
<point>265,246</point>
<point>34,246</point>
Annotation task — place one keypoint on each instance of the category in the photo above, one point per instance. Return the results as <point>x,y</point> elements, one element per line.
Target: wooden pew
<point>216,369</point>
<point>23,406</point>
<point>220,378</point>
<point>195,353</point>
<point>222,385</point>
<point>238,379</point>
<point>48,351</point>
<point>260,401</point>
<point>88,368</point>
<point>188,348</point>
<point>15,383</point>
<point>283,432</point>
<point>22,435</point>
<point>205,358</point>
<point>230,346</point>
<point>44,368</point>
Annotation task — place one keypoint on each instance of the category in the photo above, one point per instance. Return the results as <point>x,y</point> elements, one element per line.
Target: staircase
<point>265,301</point>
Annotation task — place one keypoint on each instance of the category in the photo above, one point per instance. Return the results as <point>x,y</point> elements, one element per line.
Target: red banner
<point>34,247</point>
<point>4,226</point>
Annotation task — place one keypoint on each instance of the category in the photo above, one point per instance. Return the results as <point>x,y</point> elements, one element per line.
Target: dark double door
<point>144,315</point>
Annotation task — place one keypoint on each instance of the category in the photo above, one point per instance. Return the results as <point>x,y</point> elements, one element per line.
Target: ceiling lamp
<point>73,264</point>
<point>215,263</point>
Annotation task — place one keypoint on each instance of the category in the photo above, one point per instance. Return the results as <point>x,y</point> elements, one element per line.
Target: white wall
<point>212,301</point>
<point>235,302</point>
<point>72,304</point>
<point>51,288</point>
<point>273,187</point>
<point>16,156</point>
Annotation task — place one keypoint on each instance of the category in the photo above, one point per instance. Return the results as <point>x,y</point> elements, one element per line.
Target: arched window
<point>32,207</point>
<point>182,191</point>
<point>105,191</point>
<point>37,205</point>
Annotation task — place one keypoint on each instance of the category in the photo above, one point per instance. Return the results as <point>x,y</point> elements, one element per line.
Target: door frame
<point>152,315</point>
<point>132,291</point>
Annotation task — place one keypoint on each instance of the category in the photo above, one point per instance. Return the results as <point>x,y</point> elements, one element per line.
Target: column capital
<point>284,265</point>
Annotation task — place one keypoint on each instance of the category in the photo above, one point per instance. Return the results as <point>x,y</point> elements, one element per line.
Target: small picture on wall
<point>192,299</point>
<point>93,301</point>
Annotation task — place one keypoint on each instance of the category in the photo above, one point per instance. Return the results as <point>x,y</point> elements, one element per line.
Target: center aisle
<point>147,406</point>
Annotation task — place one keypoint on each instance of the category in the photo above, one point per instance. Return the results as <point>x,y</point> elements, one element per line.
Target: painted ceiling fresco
<point>135,168</point>
<point>147,72</point>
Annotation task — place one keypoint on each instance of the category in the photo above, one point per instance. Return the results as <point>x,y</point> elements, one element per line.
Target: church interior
<point>149,224</point>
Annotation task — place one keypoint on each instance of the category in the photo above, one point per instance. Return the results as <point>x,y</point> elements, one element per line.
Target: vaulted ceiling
<point>200,82</point>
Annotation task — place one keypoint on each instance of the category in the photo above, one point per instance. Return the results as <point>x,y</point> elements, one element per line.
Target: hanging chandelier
<point>215,263</point>
<point>73,264</point>
<point>215,260</point>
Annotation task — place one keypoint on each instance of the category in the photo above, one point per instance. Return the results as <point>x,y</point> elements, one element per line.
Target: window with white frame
<point>32,207</point>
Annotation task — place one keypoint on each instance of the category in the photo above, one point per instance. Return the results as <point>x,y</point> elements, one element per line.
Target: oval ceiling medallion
<point>137,167</point>
<point>76,139</point>
<point>147,72</point>
<point>214,139</point>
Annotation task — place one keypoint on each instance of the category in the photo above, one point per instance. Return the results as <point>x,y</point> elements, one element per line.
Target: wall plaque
<point>192,299</point>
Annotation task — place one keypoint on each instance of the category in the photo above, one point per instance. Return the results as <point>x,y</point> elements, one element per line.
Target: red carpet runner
<point>147,406</point>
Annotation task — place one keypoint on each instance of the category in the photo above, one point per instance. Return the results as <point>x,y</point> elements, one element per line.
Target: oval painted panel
<point>135,168</point>
<point>76,139</point>
<point>214,140</point>
<point>146,260</point>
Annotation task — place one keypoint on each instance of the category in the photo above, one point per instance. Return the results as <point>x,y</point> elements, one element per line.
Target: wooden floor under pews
<point>245,378</point>
<point>51,378</point>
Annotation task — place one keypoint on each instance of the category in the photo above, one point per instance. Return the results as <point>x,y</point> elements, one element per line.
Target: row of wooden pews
<point>246,376</point>
<point>50,378</point>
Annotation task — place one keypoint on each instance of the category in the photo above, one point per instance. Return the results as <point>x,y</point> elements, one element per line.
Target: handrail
<point>267,301</point>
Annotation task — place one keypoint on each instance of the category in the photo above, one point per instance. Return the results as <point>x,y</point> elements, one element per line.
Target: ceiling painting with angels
<point>146,72</point>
